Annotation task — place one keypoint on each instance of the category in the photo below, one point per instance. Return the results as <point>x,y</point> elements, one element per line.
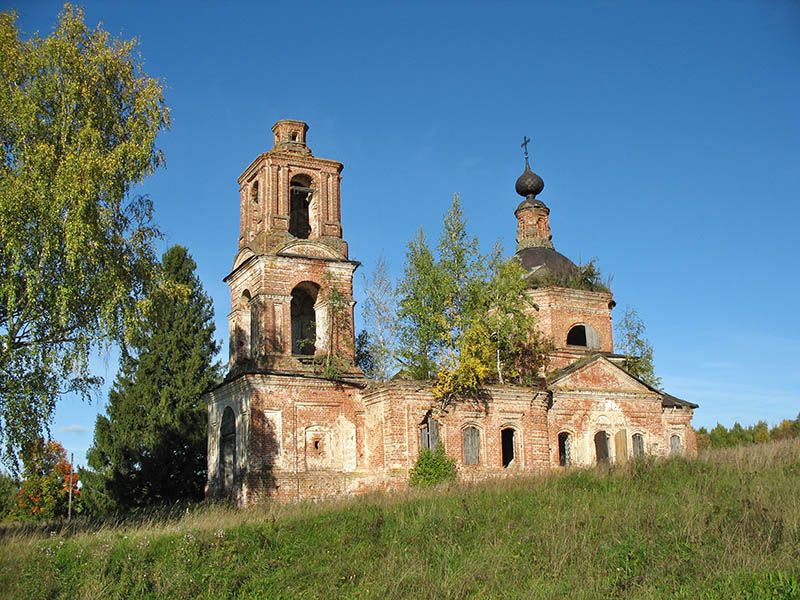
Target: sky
<point>667,135</point>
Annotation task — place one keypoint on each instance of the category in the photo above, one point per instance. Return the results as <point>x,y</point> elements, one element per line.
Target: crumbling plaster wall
<point>583,413</point>
<point>395,412</point>
<point>304,437</point>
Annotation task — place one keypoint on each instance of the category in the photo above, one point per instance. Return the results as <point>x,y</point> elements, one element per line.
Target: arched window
<point>564,449</point>
<point>583,335</point>
<point>471,442</point>
<point>675,445</point>
<point>300,197</point>
<point>227,451</point>
<point>508,442</point>
<point>304,296</point>
<point>243,327</point>
<point>638,445</point>
<point>254,193</point>
<point>601,447</point>
<point>429,433</point>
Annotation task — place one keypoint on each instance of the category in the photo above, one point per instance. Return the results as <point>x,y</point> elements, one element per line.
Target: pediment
<point>244,254</point>
<point>310,248</point>
<point>600,375</point>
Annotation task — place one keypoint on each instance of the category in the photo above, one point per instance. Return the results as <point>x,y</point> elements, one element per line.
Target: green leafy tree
<point>150,447</point>
<point>632,343</point>
<point>422,327</point>
<point>9,488</point>
<point>461,275</point>
<point>465,318</point>
<point>719,437</point>
<point>78,124</point>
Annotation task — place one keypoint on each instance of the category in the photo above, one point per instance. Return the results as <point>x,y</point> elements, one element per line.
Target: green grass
<point>724,526</point>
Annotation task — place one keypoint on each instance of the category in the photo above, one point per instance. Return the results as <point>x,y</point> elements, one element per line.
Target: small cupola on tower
<point>290,136</point>
<point>533,216</point>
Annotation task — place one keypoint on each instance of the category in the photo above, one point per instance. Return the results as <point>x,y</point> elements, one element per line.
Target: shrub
<point>432,468</point>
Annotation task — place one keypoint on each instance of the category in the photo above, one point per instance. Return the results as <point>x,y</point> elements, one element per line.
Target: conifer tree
<point>150,447</point>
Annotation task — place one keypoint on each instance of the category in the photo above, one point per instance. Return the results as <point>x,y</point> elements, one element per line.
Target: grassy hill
<point>724,526</point>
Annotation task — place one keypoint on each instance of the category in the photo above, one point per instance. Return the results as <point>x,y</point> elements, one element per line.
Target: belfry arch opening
<point>300,194</point>
<point>583,335</point>
<point>227,451</point>
<point>304,325</point>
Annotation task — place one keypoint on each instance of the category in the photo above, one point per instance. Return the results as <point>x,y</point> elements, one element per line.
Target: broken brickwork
<point>279,428</point>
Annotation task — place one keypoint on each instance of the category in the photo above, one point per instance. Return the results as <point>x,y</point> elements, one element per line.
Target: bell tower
<point>292,280</point>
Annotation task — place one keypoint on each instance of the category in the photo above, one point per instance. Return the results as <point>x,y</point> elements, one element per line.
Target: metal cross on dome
<point>525,141</point>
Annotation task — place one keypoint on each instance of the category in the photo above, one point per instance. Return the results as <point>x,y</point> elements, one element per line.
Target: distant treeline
<point>721,437</point>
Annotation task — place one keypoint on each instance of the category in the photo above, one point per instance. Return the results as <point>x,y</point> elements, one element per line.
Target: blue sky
<point>667,135</point>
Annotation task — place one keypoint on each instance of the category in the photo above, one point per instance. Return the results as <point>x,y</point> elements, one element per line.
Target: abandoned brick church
<point>277,428</point>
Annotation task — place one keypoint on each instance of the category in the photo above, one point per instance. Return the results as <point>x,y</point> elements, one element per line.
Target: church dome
<point>543,263</point>
<point>529,183</point>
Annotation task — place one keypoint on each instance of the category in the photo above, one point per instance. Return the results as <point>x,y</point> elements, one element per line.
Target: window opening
<point>583,335</point>
<point>564,449</point>
<point>577,336</point>
<point>507,437</point>
<point>243,327</point>
<point>429,433</point>
<point>472,445</point>
<point>601,447</point>
<point>675,445</point>
<point>304,296</point>
<point>254,193</point>
<point>227,450</point>
<point>638,445</point>
<point>300,197</point>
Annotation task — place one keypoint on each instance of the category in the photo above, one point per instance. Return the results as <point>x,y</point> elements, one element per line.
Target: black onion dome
<point>529,183</point>
<point>546,260</point>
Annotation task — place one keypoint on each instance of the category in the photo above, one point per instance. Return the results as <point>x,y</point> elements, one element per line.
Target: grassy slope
<point>724,526</point>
